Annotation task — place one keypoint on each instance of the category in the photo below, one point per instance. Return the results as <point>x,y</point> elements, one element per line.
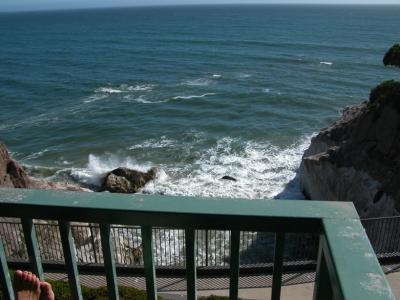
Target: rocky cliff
<point>358,157</point>
<point>12,174</point>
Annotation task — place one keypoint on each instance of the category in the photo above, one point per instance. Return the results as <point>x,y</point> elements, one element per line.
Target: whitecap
<point>141,87</point>
<point>266,90</point>
<point>108,90</point>
<point>193,96</point>
<point>326,63</point>
<point>162,142</point>
<point>197,82</point>
<point>216,76</point>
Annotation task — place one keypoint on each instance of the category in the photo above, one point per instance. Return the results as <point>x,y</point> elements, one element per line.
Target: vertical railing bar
<point>322,286</point>
<point>190,264</point>
<point>207,248</point>
<point>234,265</point>
<point>5,279</point>
<point>93,242</point>
<point>70,259</point>
<point>32,247</point>
<point>277,268</point>
<point>109,262</point>
<point>149,263</point>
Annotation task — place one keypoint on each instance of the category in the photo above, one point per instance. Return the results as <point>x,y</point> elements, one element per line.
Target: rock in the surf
<point>226,177</point>
<point>124,180</point>
<point>392,57</point>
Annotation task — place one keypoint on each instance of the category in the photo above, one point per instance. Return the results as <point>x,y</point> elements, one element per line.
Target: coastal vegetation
<point>392,56</point>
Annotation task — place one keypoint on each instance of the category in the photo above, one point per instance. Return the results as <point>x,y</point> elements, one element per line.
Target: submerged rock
<point>124,180</point>
<point>358,158</point>
<point>229,178</point>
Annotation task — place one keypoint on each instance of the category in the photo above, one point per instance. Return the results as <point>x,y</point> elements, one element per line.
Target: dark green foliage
<point>392,57</point>
<point>387,93</point>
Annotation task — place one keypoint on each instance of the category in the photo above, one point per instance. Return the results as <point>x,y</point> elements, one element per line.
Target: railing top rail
<point>154,210</point>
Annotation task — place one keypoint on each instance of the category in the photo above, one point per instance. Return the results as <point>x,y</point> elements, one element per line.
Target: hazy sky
<point>17,5</point>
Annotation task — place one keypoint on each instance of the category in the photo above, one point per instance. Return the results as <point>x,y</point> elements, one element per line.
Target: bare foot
<point>26,286</point>
<point>46,291</point>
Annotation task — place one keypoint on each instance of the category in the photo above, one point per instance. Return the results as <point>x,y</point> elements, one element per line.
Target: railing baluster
<point>277,269</point>
<point>109,261</point>
<point>32,247</point>
<point>234,265</point>
<point>190,264</point>
<point>5,280</point>
<point>322,286</point>
<point>149,263</point>
<point>70,259</point>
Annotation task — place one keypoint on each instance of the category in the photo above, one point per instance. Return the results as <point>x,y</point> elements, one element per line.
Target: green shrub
<point>392,56</point>
<point>387,93</point>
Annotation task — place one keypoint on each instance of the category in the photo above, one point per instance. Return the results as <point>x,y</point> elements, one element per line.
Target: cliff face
<point>13,175</point>
<point>358,157</point>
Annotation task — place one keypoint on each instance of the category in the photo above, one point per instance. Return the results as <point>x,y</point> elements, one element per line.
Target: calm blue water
<point>201,91</point>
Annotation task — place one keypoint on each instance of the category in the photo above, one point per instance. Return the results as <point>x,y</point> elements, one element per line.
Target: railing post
<point>322,286</point>
<point>277,268</point>
<point>109,261</point>
<point>70,259</point>
<point>234,265</point>
<point>5,279</point>
<point>32,247</point>
<point>149,263</point>
<point>190,264</point>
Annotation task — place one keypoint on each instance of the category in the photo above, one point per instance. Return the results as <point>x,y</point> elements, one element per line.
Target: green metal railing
<point>347,267</point>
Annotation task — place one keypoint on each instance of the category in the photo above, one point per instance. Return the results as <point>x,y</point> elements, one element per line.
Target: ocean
<point>198,91</point>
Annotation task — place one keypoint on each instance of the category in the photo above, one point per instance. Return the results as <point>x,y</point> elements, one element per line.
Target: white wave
<point>139,87</point>
<point>326,63</point>
<point>34,155</point>
<point>216,76</point>
<point>266,90</point>
<point>141,99</point>
<point>243,75</point>
<point>193,96</point>
<point>108,90</point>
<point>98,166</point>
<point>197,82</point>
<point>162,142</point>
<point>261,169</point>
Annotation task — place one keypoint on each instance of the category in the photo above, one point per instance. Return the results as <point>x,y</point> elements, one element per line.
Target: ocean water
<point>198,91</point>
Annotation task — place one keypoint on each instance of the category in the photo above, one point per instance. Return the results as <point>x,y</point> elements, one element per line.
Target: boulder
<point>12,174</point>
<point>124,180</point>
<point>358,157</point>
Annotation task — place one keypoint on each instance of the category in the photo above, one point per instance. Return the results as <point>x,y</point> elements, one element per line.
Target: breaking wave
<point>262,170</point>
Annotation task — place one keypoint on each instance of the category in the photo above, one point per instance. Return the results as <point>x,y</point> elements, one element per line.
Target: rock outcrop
<point>124,180</point>
<point>358,158</point>
<point>13,175</point>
